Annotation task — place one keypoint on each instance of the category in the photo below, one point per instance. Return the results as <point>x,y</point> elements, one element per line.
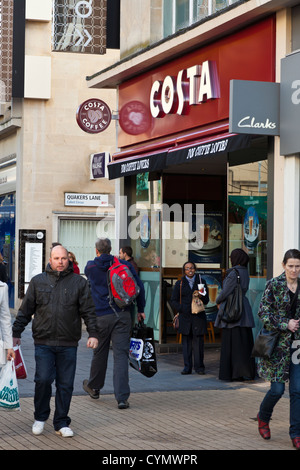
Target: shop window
<point>144,229</point>
<point>247,223</point>
<point>79,236</point>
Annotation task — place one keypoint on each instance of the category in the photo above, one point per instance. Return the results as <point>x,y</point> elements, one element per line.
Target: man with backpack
<point>114,286</point>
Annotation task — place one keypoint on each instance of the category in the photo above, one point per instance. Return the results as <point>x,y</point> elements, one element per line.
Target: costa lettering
<point>192,86</point>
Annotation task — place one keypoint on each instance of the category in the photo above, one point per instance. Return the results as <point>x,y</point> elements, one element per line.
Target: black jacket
<point>58,301</point>
<point>187,320</point>
<point>229,285</point>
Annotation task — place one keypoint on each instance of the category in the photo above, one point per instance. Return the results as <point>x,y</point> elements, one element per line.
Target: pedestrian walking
<point>58,299</point>
<point>192,326</point>
<point>114,325</point>
<point>280,311</point>
<point>8,352</point>
<point>236,362</point>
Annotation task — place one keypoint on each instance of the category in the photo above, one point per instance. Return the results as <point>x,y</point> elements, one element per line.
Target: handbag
<point>265,343</point>
<point>21,371</point>
<point>9,392</point>
<point>197,304</point>
<point>142,355</point>
<point>234,303</point>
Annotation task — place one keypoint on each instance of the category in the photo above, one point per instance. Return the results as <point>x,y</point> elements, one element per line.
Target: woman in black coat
<point>192,327</point>
<point>237,338</point>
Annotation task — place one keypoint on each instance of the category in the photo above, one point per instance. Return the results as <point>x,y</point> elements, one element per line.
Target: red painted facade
<point>246,55</point>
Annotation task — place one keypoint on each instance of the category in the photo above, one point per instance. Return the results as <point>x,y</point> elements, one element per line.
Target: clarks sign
<point>192,86</point>
<point>254,107</point>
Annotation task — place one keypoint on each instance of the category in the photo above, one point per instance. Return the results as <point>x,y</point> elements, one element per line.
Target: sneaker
<point>92,393</point>
<point>38,427</point>
<point>65,432</point>
<point>122,405</point>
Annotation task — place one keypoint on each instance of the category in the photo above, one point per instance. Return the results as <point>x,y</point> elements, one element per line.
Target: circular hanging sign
<point>93,116</point>
<point>135,118</point>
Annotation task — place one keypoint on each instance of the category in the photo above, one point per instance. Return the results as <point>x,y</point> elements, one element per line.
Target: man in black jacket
<point>58,299</point>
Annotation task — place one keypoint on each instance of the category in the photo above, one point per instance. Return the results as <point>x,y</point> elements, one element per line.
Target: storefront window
<point>247,222</point>
<point>144,237</point>
<point>7,239</point>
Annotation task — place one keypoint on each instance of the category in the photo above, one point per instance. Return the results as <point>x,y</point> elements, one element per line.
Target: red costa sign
<point>192,91</point>
<point>93,116</point>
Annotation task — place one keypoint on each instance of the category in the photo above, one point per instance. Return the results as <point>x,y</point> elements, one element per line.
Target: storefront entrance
<point>231,190</point>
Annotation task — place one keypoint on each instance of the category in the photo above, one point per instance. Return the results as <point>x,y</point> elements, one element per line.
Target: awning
<point>134,165</point>
<point>189,152</point>
<point>207,148</point>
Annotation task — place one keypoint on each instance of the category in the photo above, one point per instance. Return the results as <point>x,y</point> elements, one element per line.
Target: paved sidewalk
<point>168,413</point>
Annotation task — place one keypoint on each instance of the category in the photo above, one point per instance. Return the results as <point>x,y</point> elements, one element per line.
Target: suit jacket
<point>187,320</point>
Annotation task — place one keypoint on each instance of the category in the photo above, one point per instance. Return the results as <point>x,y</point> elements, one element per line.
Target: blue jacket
<point>96,272</point>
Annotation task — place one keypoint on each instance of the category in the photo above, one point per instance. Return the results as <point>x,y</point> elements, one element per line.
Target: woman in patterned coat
<point>280,310</point>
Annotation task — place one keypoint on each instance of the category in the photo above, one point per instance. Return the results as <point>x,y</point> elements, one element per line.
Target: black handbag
<point>234,304</point>
<point>142,355</point>
<point>265,343</point>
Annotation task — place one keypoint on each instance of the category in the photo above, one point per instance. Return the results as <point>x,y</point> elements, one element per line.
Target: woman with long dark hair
<point>237,338</point>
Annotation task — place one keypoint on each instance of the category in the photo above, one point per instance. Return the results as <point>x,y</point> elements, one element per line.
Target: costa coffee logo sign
<point>93,116</point>
<point>192,86</point>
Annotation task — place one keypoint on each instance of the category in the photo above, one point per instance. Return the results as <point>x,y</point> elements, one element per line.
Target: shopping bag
<point>142,356</point>
<point>9,392</point>
<point>20,366</point>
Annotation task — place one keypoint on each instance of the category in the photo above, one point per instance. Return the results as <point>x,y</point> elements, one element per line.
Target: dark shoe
<point>122,405</point>
<point>200,371</point>
<point>263,429</point>
<point>92,393</point>
<point>296,442</point>
<point>186,372</point>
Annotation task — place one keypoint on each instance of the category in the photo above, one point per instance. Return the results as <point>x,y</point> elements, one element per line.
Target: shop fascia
<point>192,86</point>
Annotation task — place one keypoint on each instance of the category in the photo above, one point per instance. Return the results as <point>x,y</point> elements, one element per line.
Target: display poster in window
<point>213,279</point>
<point>207,241</point>
<point>249,214</point>
<point>31,257</point>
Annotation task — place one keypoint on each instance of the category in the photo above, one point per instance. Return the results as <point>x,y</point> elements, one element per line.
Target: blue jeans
<point>54,363</point>
<point>275,393</point>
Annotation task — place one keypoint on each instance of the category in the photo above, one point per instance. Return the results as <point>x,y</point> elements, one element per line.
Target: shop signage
<point>78,26</point>
<point>254,107</point>
<point>133,166</point>
<point>207,148</point>
<point>192,86</point>
<point>98,165</point>
<point>32,245</point>
<point>93,116</point>
<point>88,200</point>
<point>290,105</point>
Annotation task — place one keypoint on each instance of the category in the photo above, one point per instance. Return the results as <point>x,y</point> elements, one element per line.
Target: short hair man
<point>125,253</point>
<point>58,299</point>
<point>114,324</point>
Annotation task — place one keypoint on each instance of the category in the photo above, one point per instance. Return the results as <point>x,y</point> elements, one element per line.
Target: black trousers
<point>193,352</point>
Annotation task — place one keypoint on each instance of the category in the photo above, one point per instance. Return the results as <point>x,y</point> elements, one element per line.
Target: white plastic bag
<point>9,392</point>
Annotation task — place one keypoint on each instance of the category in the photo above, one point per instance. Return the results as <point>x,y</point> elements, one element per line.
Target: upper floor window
<point>178,14</point>
<point>79,26</point>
